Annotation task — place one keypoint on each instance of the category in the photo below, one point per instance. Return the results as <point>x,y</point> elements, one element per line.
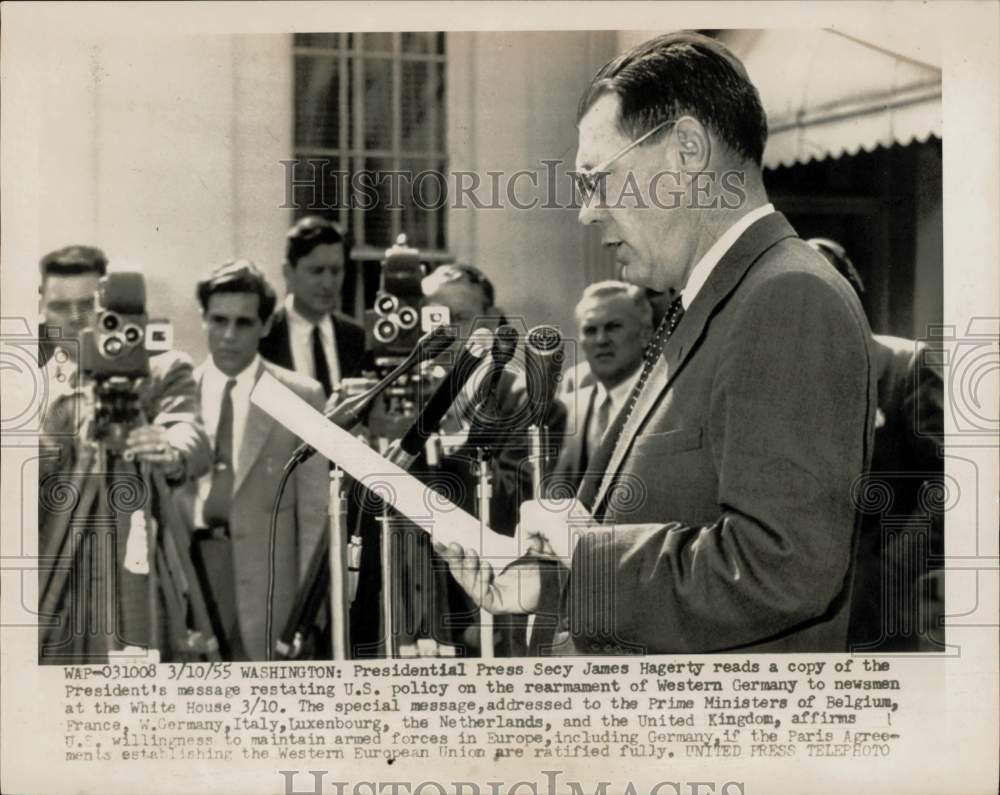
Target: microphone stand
<point>484,492</point>
<point>339,597</point>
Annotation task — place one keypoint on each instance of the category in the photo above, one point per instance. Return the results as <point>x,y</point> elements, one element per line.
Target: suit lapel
<point>725,277</point>
<point>258,428</point>
<point>284,336</point>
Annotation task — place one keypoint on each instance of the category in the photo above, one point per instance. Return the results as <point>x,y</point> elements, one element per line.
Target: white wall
<point>164,152</point>
<point>512,101</point>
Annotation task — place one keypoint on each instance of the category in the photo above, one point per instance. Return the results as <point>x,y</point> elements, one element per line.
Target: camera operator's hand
<point>151,443</point>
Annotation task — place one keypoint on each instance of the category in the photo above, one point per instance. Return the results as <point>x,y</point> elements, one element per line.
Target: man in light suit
<point>308,333</point>
<point>614,324</point>
<point>721,498</point>
<point>232,508</point>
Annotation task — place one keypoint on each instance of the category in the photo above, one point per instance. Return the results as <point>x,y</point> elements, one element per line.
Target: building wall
<point>512,104</point>
<point>169,170</point>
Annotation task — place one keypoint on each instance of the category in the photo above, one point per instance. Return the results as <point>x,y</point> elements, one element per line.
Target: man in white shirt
<point>309,334</point>
<point>614,324</point>
<point>232,507</point>
<point>721,502</point>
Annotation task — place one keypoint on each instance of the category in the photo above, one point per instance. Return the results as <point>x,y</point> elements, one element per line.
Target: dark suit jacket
<point>902,528</point>
<point>568,471</point>
<point>729,496</point>
<point>349,335</point>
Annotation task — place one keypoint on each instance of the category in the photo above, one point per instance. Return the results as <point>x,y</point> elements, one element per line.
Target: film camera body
<point>392,327</point>
<point>114,352</point>
<point>399,317</point>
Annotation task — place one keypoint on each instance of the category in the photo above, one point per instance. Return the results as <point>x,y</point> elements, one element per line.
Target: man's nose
<point>229,332</point>
<point>591,209</point>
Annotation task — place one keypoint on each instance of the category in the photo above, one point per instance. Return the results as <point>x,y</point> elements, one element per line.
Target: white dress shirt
<point>705,266</point>
<point>618,394</point>
<point>213,386</point>
<point>300,338</point>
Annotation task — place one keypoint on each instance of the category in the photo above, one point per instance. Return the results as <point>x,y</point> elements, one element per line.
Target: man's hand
<point>151,444</point>
<point>514,590</point>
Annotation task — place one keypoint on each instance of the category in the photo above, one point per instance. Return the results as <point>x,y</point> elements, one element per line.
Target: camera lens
<point>386,304</point>
<point>408,318</point>
<point>132,334</point>
<point>386,331</point>
<point>112,347</point>
<point>110,321</point>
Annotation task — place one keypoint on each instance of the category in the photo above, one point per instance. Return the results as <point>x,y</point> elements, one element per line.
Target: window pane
<point>441,108</point>
<point>378,103</point>
<point>423,43</point>
<point>424,196</point>
<point>417,96</point>
<point>324,40</point>
<point>376,42</point>
<point>319,187</point>
<point>372,196</point>
<point>317,102</point>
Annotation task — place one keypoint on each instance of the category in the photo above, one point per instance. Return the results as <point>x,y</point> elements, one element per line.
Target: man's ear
<point>287,271</point>
<point>266,328</point>
<point>694,147</point>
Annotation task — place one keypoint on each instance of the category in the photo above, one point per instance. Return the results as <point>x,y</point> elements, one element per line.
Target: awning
<point>829,92</point>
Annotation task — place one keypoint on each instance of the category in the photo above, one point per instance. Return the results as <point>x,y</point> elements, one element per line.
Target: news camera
<point>393,326</point>
<point>114,353</point>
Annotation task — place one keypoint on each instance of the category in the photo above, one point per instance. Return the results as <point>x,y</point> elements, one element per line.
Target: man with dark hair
<point>169,437</point>
<point>232,509</point>
<point>897,591</point>
<point>308,333</point>
<point>721,495</point>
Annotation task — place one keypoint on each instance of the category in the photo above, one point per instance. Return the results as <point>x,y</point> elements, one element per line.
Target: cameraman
<point>173,442</point>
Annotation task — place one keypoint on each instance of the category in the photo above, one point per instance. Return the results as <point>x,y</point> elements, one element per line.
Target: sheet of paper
<point>443,520</point>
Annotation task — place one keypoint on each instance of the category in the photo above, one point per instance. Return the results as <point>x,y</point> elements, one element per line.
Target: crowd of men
<point>730,405</point>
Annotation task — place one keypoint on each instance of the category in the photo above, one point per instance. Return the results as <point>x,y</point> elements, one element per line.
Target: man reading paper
<point>721,496</point>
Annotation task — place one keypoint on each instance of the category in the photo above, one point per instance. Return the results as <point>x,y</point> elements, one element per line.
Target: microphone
<point>543,363</point>
<point>485,414</point>
<point>348,413</point>
<point>472,355</point>
<point>504,347</point>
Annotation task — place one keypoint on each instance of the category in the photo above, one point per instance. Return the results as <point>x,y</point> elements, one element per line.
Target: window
<point>367,104</point>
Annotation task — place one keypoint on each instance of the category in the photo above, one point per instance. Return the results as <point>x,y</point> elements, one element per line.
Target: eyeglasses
<point>589,180</point>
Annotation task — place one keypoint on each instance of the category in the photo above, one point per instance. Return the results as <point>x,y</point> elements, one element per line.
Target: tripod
<point>115,568</point>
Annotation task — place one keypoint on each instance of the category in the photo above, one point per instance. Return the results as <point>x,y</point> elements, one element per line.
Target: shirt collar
<point>297,320</point>
<point>244,379</point>
<point>618,393</point>
<point>702,270</point>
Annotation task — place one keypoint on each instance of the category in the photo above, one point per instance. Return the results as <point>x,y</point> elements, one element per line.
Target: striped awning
<point>833,92</point>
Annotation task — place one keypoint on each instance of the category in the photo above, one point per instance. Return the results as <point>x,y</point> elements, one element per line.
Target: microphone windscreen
<point>543,361</point>
<point>504,345</point>
<point>479,345</point>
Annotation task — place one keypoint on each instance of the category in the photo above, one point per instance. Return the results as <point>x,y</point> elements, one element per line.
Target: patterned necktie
<point>602,456</point>
<point>320,366</point>
<point>220,497</point>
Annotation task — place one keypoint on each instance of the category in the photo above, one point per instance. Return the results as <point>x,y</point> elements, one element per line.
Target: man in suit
<point>232,508</point>
<point>897,587</point>
<point>309,334</point>
<point>614,324</point>
<point>721,497</point>
<point>168,437</point>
